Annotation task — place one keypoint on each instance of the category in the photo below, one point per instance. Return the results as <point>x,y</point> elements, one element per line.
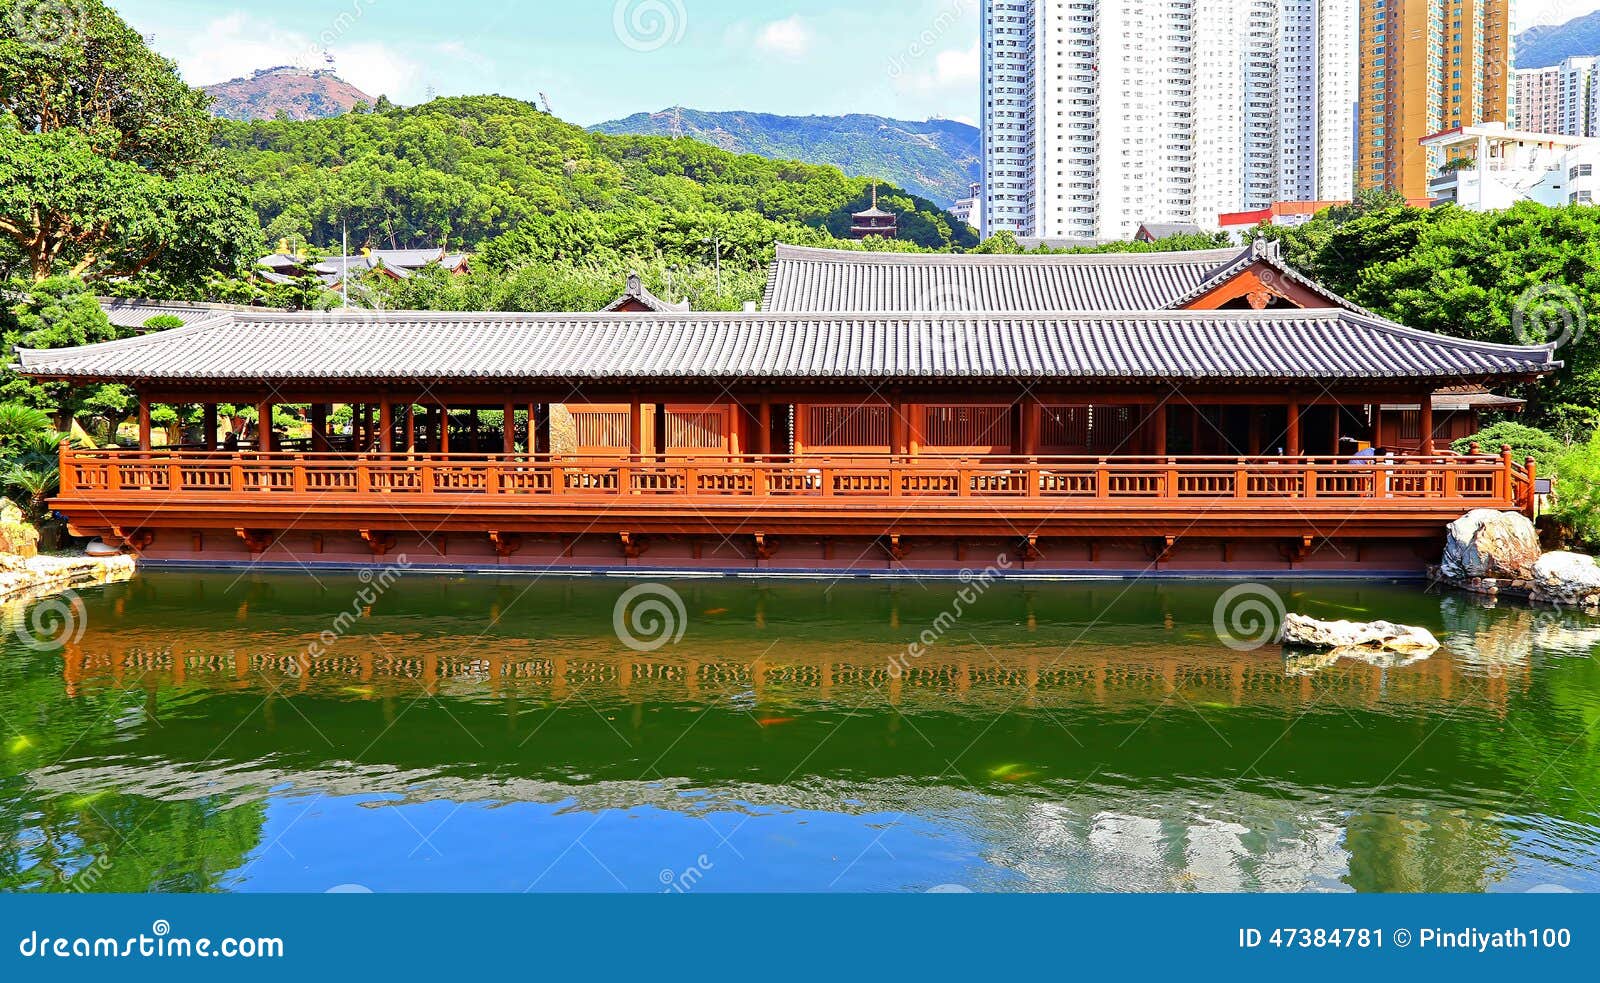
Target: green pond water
<point>290,733</point>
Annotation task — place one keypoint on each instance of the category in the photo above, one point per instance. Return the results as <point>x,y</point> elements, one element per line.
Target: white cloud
<point>233,46</point>
<point>790,38</point>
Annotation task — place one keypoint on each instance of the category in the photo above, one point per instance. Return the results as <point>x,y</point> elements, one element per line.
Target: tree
<point>58,313</point>
<point>106,163</point>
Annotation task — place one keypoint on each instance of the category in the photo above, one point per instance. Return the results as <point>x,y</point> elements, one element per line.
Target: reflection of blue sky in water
<point>1145,757</point>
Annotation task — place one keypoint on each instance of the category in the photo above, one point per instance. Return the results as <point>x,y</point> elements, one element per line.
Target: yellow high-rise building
<point>1427,66</point>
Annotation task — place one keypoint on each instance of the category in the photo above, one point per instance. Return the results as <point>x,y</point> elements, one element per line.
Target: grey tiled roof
<point>126,313</point>
<point>1166,230</point>
<point>805,279</point>
<point>1324,345</point>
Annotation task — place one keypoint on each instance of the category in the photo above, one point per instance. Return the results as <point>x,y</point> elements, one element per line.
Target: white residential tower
<point>1102,114</point>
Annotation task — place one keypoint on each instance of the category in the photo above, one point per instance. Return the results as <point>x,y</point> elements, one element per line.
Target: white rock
<point>1567,579</point>
<point>1348,636</point>
<point>1486,543</point>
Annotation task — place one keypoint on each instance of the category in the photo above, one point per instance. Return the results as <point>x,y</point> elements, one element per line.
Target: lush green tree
<point>59,312</point>
<point>106,163</point>
<point>1524,441</point>
<point>1529,274</point>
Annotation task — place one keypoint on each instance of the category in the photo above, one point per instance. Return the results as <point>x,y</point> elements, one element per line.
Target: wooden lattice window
<point>966,426</point>
<point>1113,428</point>
<point>1097,429</point>
<point>1064,428</point>
<point>601,429</point>
<point>704,430</point>
<point>1411,425</point>
<point>847,426</point>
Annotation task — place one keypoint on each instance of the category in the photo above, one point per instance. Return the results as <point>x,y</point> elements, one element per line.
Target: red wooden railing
<point>1471,481</point>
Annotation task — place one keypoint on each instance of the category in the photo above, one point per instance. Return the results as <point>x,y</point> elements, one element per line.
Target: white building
<point>1491,167</point>
<point>966,209</point>
<point>1099,115</point>
<point>1559,99</point>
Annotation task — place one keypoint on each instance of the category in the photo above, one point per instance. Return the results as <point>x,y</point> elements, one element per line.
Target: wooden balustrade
<point>1066,482</point>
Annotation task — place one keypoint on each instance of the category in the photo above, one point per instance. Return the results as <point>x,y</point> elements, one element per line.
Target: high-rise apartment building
<point>1102,114</point>
<point>1559,99</point>
<point>1427,66</point>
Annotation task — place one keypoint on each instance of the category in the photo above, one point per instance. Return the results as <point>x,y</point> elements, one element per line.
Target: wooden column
<point>411,428</point>
<point>1032,417</point>
<point>1427,423</point>
<point>209,423</point>
<point>386,425</point>
<point>635,427</point>
<point>443,413</point>
<point>509,443</point>
<point>1295,445</point>
<point>1160,436</point>
<point>541,442</point>
<point>764,426</point>
<point>1255,431</point>
<point>144,424</point>
<point>264,426</point>
<point>319,428</point>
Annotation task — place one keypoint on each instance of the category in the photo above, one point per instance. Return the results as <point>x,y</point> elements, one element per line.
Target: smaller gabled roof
<point>1166,230</point>
<point>1270,253</point>
<point>638,295</point>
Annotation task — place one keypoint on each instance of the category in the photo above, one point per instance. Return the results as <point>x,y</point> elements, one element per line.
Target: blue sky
<point>601,59</point>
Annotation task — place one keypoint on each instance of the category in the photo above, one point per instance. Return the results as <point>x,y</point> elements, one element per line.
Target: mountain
<point>295,92</point>
<point>469,170</point>
<point>1547,44</point>
<point>937,160</point>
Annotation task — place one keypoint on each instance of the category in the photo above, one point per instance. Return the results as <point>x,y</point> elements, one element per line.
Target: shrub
<point>164,322</point>
<point>1576,506</point>
<point>1525,442</point>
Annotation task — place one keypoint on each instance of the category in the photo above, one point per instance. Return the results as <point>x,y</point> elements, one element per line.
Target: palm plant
<point>21,425</point>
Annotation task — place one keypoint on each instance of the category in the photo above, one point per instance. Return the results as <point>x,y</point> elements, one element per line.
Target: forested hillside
<point>469,169</point>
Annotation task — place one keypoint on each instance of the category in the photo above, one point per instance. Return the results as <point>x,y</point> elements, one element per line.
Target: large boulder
<point>1490,544</point>
<point>1567,580</point>
<point>1300,632</point>
<point>17,537</point>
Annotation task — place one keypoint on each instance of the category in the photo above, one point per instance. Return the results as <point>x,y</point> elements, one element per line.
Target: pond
<point>215,732</point>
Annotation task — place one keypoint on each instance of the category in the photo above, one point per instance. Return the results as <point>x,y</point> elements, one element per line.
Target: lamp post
<point>715,243</point>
